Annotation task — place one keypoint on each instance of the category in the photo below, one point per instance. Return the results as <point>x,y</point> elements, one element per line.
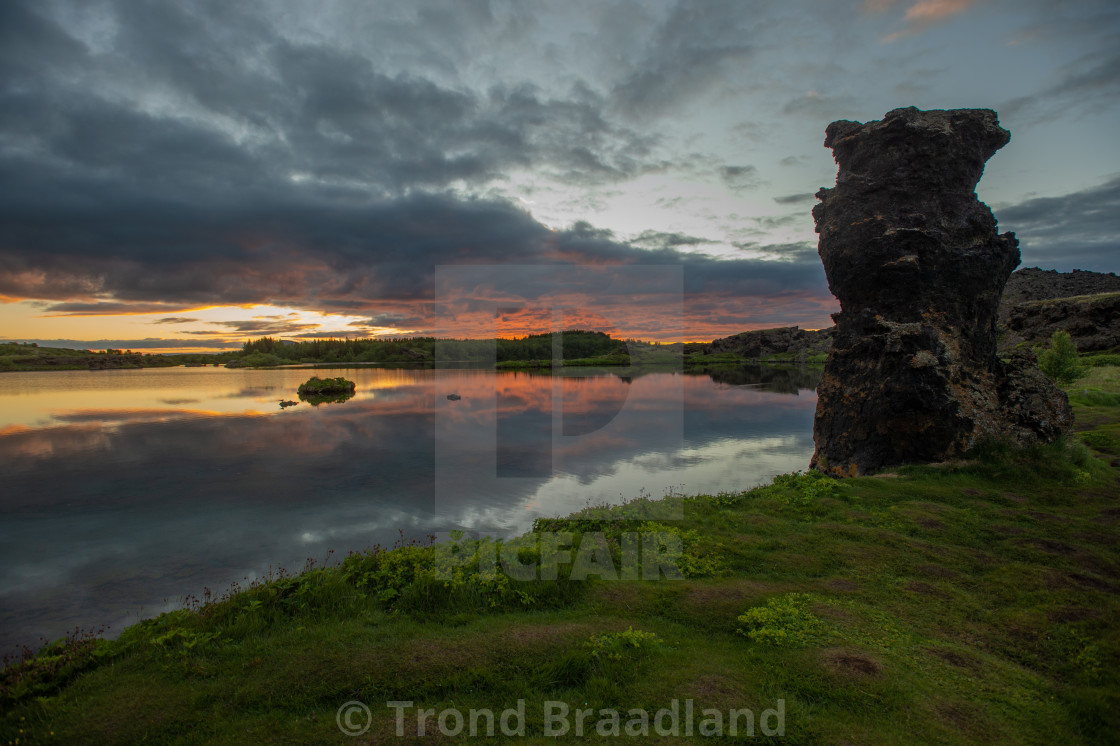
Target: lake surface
<point>121,492</point>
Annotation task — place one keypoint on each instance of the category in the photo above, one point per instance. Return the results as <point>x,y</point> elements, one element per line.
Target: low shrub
<point>785,621</point>
<point>628,644</point>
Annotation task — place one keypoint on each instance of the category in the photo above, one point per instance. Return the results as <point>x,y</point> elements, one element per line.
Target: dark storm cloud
<point>1079,230</point>
<point>169,156</point>
<point>660,240</point>
<point>325,335</point>
<point>793,199</point>
<point>388,319</point>
<point>104,308</point>
<point>738,178</point>
<point>209,118</point>
<point>801,253</point>
<point>1090,84</point>
<point>693,50</point>
<point>259,327</point>
<point>331,257</point>
<point>703,274</point>
<point>822,108</point>
<point>1087,84</point>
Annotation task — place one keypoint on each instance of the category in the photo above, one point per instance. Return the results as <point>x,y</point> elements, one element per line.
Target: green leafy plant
<point>797,488</point>
<point>43,672</point>
<point>630,643</point>
<point>1060,362</point>
<point>785,621</point>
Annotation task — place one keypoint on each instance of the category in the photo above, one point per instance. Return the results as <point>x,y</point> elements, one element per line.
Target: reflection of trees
<point>317,399</point>
<point>775,379</point>
<point>783,380</point>
<point>625,373</point>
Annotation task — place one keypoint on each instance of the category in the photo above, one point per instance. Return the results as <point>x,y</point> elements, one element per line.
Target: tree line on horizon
<point>574,344</point>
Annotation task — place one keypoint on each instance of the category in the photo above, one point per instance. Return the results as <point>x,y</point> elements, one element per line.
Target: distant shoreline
<point>574,348</point>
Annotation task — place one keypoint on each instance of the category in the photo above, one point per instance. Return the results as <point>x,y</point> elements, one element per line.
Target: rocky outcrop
<point>918,267</point>
<point>1093,321</point>
<point>1033,284</point>
<point>762,343</point>
<point>116,362</point>
<point>1037,303</point>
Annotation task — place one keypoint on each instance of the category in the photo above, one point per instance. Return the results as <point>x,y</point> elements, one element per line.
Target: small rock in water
<point>454,397</point>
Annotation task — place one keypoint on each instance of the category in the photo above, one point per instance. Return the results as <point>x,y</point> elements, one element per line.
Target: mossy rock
<point>316,386</point>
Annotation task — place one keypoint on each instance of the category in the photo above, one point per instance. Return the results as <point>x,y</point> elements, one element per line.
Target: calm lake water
<point>124,491</point>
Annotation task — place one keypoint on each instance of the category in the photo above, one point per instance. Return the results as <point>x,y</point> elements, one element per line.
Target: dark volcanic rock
<point>786,340</point>
<point>1093,321</point>
<point>915,261</point>
<point>1037,303</point>
<point>1033,284</point>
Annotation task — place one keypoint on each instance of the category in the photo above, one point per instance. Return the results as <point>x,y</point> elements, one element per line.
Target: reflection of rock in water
<point>778,380</point>
<point>915,261</point>
<point>317,399</point>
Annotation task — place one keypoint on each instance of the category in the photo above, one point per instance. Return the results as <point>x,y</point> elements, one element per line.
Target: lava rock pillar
<point>918,267</point>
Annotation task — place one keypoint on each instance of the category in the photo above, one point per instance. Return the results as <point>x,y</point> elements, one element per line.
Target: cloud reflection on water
<point>110,509</point>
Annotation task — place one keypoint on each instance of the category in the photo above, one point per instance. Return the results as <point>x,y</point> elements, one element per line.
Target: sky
<point>183,176</point>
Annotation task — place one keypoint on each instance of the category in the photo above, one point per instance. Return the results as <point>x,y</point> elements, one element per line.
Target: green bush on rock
<point>316,386</point>
<point>316,391</point>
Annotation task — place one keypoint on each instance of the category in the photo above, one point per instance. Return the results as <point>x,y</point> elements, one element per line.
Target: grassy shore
<point>958,603</point>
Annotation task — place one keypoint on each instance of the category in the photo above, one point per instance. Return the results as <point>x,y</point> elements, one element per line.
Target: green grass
<point>969,602</point>
<point>1096,359</point>
<point>1102,378</point>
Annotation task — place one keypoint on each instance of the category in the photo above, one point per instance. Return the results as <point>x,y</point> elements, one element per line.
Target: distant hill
<point>788,344</point>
